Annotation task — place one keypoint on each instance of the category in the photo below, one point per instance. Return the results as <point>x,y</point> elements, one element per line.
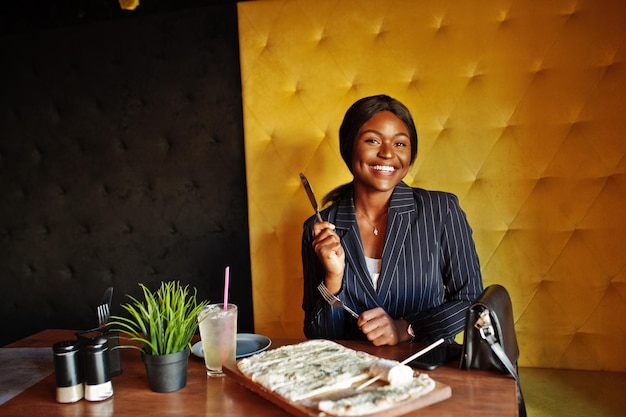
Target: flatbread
<point>308,369</point>
<point>321,374</point>
<point>378,399</point>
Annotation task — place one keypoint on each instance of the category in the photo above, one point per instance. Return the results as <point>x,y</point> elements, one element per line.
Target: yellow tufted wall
<point>521,111</point>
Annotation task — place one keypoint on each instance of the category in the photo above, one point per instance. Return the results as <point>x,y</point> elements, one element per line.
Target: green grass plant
<point>163,322</point>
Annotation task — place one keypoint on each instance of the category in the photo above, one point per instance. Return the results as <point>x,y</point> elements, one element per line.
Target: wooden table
<point>479,393</point>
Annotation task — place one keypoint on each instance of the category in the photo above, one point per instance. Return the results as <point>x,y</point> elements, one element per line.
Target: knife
<point>107,297</point>
<point>309,192</point>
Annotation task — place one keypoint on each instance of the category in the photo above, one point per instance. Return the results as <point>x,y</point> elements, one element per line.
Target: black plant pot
<point>167,373</point>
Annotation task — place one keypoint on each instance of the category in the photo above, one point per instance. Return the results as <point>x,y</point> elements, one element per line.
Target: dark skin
<point>381,158</point>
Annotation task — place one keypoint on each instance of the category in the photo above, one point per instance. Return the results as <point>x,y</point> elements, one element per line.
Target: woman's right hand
<point>327,246</point>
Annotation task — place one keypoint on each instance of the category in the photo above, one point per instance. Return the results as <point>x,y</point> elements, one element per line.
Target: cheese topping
<point>307,369</point>
<point>379,399</point>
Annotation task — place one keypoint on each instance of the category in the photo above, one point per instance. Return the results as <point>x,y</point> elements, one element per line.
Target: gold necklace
<point>373,226</point>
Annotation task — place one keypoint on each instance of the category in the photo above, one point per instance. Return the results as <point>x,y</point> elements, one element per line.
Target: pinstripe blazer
<point>429,275</point>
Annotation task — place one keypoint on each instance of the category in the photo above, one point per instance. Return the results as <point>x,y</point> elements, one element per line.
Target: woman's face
<point>381,155</point>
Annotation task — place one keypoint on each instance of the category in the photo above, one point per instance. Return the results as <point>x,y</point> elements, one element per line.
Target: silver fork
<point>334,301</point>
<point>103,310</point>
<point>103,314</point>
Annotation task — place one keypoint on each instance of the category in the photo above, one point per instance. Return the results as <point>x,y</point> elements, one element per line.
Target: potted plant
<point>161,327</point>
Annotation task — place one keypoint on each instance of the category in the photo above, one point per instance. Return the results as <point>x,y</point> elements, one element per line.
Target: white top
<point>373,266</point>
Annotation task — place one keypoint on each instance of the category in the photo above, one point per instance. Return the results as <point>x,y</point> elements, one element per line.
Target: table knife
<point>309,193</point>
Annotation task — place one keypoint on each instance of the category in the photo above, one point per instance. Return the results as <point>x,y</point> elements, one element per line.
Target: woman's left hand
<point>381,329</point>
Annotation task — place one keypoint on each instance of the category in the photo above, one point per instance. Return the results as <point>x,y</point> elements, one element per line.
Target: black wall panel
<point>121,161</point>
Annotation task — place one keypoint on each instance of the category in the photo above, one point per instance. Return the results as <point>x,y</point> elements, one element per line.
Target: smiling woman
<point>402,257</point>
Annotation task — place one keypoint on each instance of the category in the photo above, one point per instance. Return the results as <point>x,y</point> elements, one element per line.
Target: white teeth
<point>384,168</point>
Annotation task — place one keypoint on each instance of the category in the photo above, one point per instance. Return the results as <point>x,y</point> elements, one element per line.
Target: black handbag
<point>489,341</point>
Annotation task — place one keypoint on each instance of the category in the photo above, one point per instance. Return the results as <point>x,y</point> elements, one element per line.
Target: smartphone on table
<point>441,355</point>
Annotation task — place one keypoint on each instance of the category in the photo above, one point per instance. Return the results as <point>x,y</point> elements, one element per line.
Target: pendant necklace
<point>373,226</point>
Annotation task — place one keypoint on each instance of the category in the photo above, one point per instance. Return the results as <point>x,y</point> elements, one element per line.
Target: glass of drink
<point>218,331</point>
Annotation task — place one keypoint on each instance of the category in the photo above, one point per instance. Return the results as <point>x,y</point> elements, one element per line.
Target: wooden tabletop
<point>474,392</point>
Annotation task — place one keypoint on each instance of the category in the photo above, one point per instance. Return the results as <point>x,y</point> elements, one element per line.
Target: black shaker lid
<point>65,346</point>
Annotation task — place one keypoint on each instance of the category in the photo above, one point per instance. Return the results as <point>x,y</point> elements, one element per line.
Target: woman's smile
<point>384,168</point>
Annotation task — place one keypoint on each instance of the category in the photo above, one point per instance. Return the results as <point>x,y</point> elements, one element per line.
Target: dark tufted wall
<point>121,161</point>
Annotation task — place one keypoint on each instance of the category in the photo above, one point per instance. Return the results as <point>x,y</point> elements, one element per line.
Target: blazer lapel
<point>347,228</point>
<point>401,206</point>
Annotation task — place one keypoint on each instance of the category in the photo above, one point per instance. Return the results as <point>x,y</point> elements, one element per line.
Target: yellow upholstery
<point>520,107</point>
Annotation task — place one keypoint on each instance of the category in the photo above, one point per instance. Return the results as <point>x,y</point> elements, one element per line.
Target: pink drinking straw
<point>226,282</point>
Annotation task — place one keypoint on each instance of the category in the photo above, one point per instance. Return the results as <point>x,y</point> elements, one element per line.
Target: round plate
<point>247,344</point>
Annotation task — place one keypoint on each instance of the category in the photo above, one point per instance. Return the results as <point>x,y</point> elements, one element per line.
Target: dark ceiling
<point>34,15</point>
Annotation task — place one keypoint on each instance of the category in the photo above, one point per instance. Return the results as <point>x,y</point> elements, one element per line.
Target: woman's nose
<point>385,151</point>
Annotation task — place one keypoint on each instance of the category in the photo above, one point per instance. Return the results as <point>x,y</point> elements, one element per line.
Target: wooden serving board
<point>307,408</point>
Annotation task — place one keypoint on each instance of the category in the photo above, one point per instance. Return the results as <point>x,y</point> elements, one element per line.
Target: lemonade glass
<point>218,332</point>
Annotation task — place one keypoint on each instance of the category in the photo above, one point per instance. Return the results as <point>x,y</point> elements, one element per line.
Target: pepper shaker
<point>67,371</point>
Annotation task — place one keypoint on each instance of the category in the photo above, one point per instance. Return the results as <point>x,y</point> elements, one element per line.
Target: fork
<point>334,301</point>
<point>103,314</point>
<point>103,310</point>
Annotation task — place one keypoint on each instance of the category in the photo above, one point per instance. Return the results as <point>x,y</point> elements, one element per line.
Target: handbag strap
<point>484,326</point>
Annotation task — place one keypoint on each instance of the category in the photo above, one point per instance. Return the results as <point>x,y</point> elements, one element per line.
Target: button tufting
<point>519,111</point>
<point>85,229</point>
<point>102,126</point>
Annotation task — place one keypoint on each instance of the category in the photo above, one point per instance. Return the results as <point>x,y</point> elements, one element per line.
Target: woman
<point>401,257</point>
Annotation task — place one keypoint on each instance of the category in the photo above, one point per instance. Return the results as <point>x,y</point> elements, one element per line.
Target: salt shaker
<point>97,378</point>
<point>67,371</point>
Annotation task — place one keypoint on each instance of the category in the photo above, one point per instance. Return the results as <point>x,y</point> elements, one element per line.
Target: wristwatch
<point>410,331</point>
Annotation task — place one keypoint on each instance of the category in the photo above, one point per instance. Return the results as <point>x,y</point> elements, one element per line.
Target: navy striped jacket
<point>430,271</point>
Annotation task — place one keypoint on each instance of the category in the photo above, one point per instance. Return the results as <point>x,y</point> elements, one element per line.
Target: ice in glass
<point>218,332</point>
